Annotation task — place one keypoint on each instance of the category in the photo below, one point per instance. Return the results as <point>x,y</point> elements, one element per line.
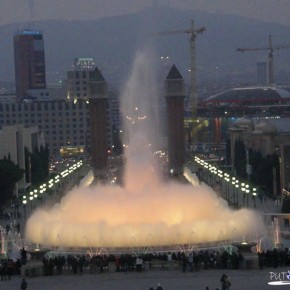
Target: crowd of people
<point>274,258</point>
<point>192,261</point>
<point>187,262</point>
<point>7,269</point>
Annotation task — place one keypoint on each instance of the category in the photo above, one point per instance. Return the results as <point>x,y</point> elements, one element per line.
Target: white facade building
<point>62,123</point>
<point>15,138</point>
<point>13,141</point>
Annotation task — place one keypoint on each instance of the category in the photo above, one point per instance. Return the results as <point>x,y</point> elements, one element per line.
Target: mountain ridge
<point>113,42</point>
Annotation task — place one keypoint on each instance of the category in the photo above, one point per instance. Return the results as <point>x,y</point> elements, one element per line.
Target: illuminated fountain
<point>245,246</point>
<point>276,233</point>
<point>146,211</point>
<point>10,243</point>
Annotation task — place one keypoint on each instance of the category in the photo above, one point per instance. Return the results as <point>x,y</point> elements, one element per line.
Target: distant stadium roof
<point>253,95</point>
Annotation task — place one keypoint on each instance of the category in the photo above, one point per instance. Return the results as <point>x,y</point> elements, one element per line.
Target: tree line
<point>36,171</point>
<point>265,171</point>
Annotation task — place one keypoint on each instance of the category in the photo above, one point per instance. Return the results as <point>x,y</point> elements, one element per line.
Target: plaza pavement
<point>170,280</point>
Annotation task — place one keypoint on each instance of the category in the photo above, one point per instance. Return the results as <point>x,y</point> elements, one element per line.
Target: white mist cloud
<point>146,211</point>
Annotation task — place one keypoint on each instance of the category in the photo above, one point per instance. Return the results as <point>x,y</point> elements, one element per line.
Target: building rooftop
<point>174,74</point>
<point>252,95</point>
<point>28,32</point>
<point>84,63</point>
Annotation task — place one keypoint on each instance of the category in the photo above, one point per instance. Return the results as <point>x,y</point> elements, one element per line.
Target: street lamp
<point>233,189</point>
<point>237,194</point>
<point>254,196</point>
<point>24,202</point>
<point>31,200</point>
<point>247,192</point>
<point>244,193</point>
<point>171,172</point>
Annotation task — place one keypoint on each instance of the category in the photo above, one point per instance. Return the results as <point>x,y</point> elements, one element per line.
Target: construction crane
<point>271,49</point>
<point>192,33</point>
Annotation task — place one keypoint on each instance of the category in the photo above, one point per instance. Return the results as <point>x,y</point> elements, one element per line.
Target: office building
<point>83,72</point>
<point>29,59</point>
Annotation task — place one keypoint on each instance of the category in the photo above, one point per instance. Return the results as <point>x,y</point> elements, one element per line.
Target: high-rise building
<point>79,78</point>
<point>29,59</point>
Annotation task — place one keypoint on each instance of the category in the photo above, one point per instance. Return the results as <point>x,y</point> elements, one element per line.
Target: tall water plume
<point>140,111</point>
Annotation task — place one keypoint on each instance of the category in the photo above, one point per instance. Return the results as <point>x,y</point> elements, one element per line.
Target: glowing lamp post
<point>227,179</point>
<point>237,194</point>
<point>254,196</point>
<point>233,190</point>
<point>31,197</point>
<point>24,202</point>
<point>244,193</point>
<point>247,192</point>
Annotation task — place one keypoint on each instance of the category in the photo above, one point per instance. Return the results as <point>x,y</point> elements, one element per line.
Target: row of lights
<point>53,181</point>
<point>245,188</point>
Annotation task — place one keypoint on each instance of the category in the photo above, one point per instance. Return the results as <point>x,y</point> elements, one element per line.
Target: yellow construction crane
<point>271,49</point>
<point>192,33</point>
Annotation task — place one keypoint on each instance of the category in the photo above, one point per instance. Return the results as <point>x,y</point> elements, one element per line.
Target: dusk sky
<point>21,10</point>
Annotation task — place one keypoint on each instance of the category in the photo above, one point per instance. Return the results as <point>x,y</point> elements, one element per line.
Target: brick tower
<point>98,123</point>
<point>174,94</point>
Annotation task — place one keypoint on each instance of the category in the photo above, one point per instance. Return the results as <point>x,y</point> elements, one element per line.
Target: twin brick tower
<point>174,95</point>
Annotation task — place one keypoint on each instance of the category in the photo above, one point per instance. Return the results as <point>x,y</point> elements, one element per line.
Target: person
<point>159,287</point>
<point>226,284</point>
<point>3,271</point>
<point>23,285</point>
<point>139,264</point>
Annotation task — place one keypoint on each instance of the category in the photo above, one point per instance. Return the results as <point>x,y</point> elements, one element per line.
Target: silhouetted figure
<point>225,282</point>
<point>23,253</point>
<point>23,285</point>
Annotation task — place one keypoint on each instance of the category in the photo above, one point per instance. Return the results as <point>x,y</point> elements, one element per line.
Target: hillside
<point>113,42</point>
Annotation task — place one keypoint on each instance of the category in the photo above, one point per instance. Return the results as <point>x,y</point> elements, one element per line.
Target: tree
<point>263,170</point>
<point>10,174</point>
<point>255,159</point>
<point>228,152</point>
<point>37,165</point>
